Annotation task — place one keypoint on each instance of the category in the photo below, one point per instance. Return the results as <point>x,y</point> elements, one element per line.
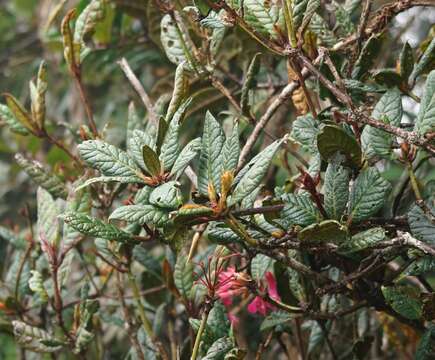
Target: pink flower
<point>231,283</point>
<point>259,305</point>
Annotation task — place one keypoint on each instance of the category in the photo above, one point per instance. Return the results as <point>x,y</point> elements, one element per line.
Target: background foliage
<point>239,201</point>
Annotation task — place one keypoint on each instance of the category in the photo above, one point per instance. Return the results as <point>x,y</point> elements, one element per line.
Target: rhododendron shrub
<point>217,179</point>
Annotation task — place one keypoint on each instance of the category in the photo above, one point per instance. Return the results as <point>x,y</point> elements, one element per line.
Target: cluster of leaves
<point>133,228</point>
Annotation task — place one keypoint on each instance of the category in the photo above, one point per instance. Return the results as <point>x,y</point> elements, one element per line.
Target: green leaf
<point>78,202</point>
<point>9,118</point>
<point>88,225</point>
<point>309,12</point>
<point>305,130</point>
<point>141,214</point>
<point>219,349</point>
<point>387,77</point>
<point>151,160</point>
<point>319,26</point>
<point>186,155</point>
<point>421,266</point>
<point>261,14</point>
<point>376,142</point>
<point>426,346</point>
<point>15,240</point>
<point>170,150</point>
<point>231,150</point>
<point>403,300</point>
<point>35,339</point>
<point>425,61</point>
<point>48,225</point>
<point>421,226</point>
<point>333,139</point>
<point>183,276</point>
<point>336,190</point>
<point>298,10</point>
<point>173,41</point>
<point>368,194</point>
<point>135,144</point>
<point>425,122</point>
<point>326,231</point>
<point>107,179</point>
<point>166,195</point>
<point>343,20</point>
<point>109,160</point>
<point>36,284</point>
<point>406,61</point>
<point>275,318</point>
<point>366,58</point>
<point>249,82</point>
<point>218,321</point>
<point>42,176</point>
<point>20,113</point>
<point>259,265</point>
<point>253,172</point>
<point>222,235</point>
<point>362,241</point>
<point>210,161</point>
<point>299,210</point>
<point>88,18</point>
<point>179,93</point>
<point>147,260</point>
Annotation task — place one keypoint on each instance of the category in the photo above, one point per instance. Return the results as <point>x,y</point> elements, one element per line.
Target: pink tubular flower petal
<point>258,305</point>
<point>271,286</point>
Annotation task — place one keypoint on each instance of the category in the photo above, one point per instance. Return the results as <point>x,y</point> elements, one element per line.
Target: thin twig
<point>134,81</point>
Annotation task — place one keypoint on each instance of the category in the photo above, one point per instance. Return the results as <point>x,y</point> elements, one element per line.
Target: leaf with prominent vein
<point>299,210</point>
<point>171,145</point>
<point>179,93</point>
<point>336,190</point>
<point>231,150</point>
<point>253,175</point>
<point>388,109</point>
<point>184,158</point>
<point>42,176</point>
<point>305,130</point>
<point>48,225</point>
<point>109,160</point>
<point>135,144</point>
<point>210,161</point>
<point>9,118</point>
<point>88,225</point>
<point>141,214</point>
<point>88,19</point>
<point>425,122</point>
<point>368,194</point>
<point>422,227</point>
<point>363,240</point>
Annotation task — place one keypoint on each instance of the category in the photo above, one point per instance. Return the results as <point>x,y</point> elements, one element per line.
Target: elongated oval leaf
<point>368,194</point>
<point>253,175</point>
<point>210,161</point>
<point>336,190</point>
<point>109,160</point>
<point>141,214</point>
<point>425,122</point>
